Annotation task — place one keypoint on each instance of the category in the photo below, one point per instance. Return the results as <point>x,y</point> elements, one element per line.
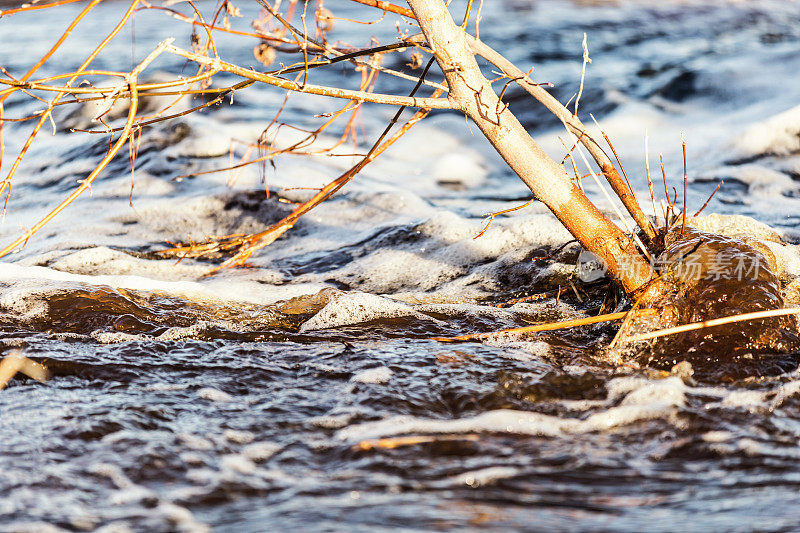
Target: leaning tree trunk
<point>472,93</point>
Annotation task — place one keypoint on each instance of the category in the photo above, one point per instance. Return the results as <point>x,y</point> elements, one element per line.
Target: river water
<point>234,402</point>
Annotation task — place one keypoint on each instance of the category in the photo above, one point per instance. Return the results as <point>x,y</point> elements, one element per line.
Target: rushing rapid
<point>304,391</point>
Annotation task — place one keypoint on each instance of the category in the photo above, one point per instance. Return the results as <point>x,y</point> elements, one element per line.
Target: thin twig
<point>683,226</point>
<point>668,215</point>
<point>410,440</point>
<point>29,7</point>
<point>613,205</point>
<point>613,151</point>
<point>711,323</point>
<point>7,181</point>
<point>58,43</point>
<point>574,125</point>
<point>721,182</point>
<point>387,6</point>
<point>266,237</point>
<point>409,101</point>
<point>649,179</point>
<point>550,326</point>
<point>142,123</point>
<point>123,138</point>
<point>492,215</point>
<point>625,323</point>
<point>586,59</point>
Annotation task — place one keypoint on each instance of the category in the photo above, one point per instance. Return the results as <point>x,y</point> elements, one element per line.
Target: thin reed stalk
<point>693,326</point>
<point>550,326</point>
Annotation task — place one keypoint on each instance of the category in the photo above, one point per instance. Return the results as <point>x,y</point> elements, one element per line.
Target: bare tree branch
<point>574,124</point>
<point>548,181</point>
<point>334,92</point>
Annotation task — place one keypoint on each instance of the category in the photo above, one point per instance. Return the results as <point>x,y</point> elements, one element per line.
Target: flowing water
<point>255,399</point>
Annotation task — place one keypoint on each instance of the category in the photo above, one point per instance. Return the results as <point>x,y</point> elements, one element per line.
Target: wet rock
<point>713,277</point>
<point>735,226</point>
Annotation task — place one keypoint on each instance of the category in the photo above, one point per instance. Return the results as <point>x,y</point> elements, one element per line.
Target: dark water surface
<point>183,403</point>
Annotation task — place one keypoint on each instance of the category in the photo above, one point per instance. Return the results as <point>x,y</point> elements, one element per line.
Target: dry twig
<point>711,323</point>
<point>550,326</point>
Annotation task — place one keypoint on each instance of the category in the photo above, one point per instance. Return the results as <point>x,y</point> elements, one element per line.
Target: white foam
<point>179,333</point>
<point>717,436</point>
<point>464,169</point>
<point>355,308</point>
<point>485,476</point>
<point>784,392</point>
<point>778,135</point>
<point>755,448</point>
<point>192,458</point>
<point>206,139</point>
<point>669,390</point>
<point>498,421</point>
<point>619,387</point>
<point>744,398</point>
<point>239,437</point>
<point>387,270</point>
<point>92,260</point>
<point>238,463</point>
<point>378,375</point>
<point>322,367</point>
<point>158,387</point>
<point>195,442</point>
<point>29,282</point>
<point>26,300</point>
<point>515,348</point>
<point>115,337</point>
<point>787,259</point>
<point>464,310</point>
<point>332,421</point>
<point>643,400</point>
<point>215,395</point>
<point>130,493</point>
<point>181,518</point>
<point>626,414</point>
<point>260,451</point>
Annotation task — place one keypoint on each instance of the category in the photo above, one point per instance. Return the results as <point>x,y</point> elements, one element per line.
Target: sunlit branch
<point>334,92</point>
<point>7,181</point>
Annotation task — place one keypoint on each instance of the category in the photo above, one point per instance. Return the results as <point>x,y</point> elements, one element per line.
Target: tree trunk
<point>575,126</point>
<point>470,92</point>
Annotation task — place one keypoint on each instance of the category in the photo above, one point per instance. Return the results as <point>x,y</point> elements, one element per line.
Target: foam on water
<point>355,308</point>
<point>644,399</point>
<point>777,135</point>
<point>214,395</point>
<point>260,451</point>
<point>379,375</point>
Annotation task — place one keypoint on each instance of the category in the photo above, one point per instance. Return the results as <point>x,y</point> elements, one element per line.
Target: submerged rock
<point>714,277</point>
